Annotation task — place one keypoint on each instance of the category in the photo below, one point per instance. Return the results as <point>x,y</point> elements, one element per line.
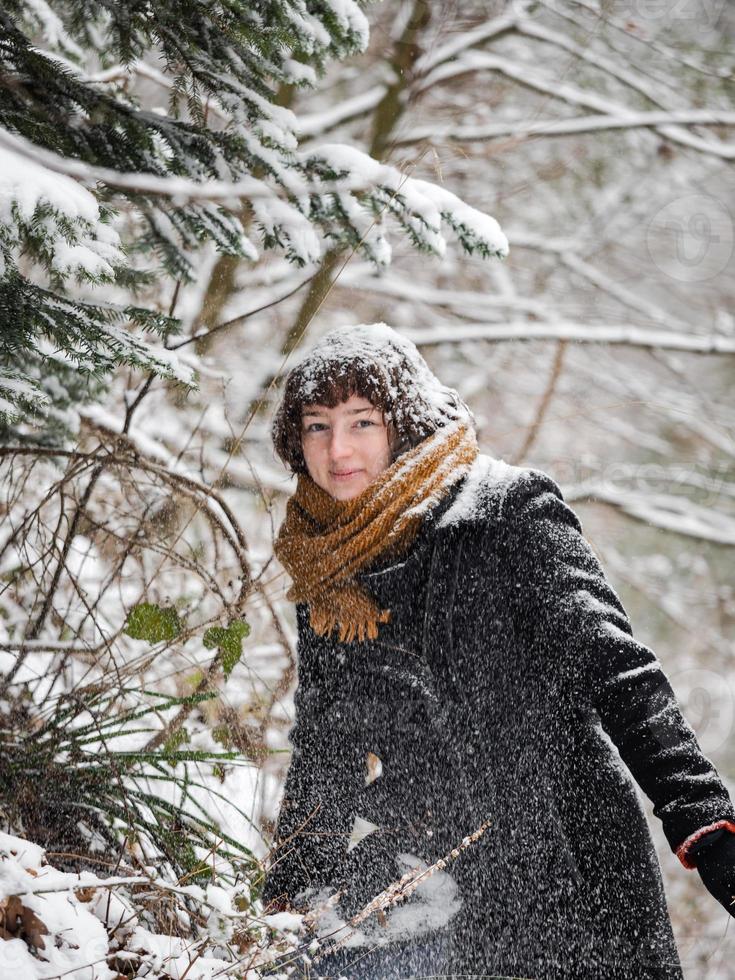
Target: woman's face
<point>346,447</point>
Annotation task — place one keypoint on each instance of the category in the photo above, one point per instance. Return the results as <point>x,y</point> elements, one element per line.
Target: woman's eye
<point>322,426</point>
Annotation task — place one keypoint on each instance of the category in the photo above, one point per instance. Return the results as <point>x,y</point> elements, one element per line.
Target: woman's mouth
<point>344,474</point>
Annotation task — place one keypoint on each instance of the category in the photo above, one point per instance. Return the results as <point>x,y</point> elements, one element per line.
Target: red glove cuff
<point>682,851</point>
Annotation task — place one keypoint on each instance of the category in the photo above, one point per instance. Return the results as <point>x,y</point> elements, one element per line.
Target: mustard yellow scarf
<point>323,543</point>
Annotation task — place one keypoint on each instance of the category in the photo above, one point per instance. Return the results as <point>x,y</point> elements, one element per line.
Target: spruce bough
<point>179,95</point>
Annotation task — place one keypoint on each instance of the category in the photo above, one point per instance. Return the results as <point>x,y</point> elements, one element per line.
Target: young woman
<point>462,659</point>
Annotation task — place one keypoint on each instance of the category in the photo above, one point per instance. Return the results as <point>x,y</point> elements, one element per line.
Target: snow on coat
<point>508,687</point>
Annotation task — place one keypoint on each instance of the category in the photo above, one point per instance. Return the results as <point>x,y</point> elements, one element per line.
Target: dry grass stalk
<point>397,891</point>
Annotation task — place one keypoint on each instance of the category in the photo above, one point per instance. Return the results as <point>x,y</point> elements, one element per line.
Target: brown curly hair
<point>391,375</point>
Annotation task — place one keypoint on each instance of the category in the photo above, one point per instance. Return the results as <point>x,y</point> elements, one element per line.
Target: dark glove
<point>714,856</point>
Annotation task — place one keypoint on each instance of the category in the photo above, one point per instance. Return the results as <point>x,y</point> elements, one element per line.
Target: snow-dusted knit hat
<point>374,361</point>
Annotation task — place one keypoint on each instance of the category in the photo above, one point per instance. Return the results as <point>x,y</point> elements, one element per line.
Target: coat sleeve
<point>315,817</point>
<point>563,598</point>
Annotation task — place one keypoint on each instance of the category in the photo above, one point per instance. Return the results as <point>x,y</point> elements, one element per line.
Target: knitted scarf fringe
<point>324,543</point>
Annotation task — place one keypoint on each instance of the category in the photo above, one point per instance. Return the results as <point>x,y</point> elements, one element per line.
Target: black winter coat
<point>507,687</point>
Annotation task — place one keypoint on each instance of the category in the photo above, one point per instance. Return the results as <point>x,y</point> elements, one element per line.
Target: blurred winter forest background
<point>190,195</point>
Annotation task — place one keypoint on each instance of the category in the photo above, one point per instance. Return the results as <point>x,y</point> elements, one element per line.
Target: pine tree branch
<point>181,189</point>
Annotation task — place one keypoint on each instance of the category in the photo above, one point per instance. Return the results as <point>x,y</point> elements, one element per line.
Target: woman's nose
<point>340,444</point>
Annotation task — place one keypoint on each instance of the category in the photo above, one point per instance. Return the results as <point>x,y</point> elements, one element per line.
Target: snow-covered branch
<point>604,15</point>
<point>527,75</point>
<point>465,40</point>
<point>182,189</point>
<point>669,512</point>
<point>63,924</point>
<point>618,291</point>
<point>594,54</point>
<point>317,123</point>
<point>473,304</point>
<point>575,126</point>
<point>623,334</point>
